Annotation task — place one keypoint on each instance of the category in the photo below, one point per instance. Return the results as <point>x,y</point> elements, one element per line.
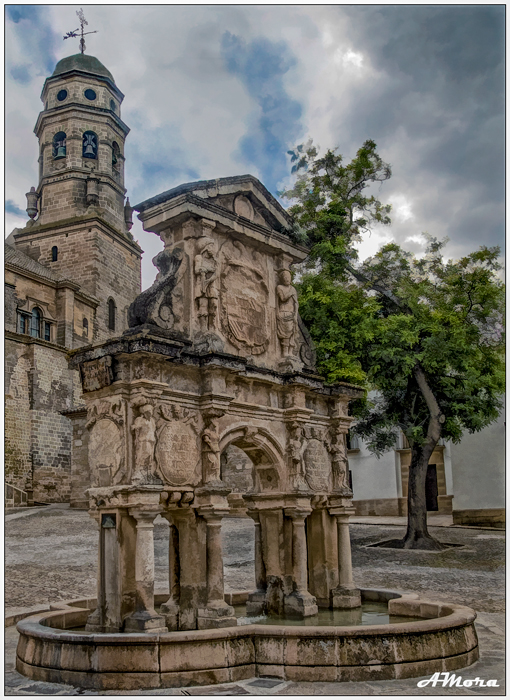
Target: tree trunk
<point>417,535</point>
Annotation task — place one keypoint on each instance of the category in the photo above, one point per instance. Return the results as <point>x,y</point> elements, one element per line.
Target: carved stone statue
<point>144,431</point>
<point>156,306</point>
<point>206,273</point>
<point>211,447</point>
<point>286,313</point>
<point>339,463</point>
<point>295,449</point>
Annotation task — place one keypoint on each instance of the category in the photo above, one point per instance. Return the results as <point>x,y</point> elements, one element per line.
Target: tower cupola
<point>81,144</point>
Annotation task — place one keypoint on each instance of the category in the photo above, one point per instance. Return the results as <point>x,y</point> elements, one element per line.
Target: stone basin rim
<point>455,616</point>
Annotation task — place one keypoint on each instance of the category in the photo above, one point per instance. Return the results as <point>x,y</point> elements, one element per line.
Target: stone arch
<point>264,452</point>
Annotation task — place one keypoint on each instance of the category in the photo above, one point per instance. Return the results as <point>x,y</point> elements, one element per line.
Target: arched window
<point>85,327</point>
<point>35,323</point>
<point>111,314</point>
<point>59,145</point>
<point>54,254</point>
<point>115,155</point>
<point>89,148</point>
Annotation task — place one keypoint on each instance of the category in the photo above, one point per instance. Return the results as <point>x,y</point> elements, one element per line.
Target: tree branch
<point>376,287</point>
<point>436,415</point>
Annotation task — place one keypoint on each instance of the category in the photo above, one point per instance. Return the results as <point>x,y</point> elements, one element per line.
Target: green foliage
<point>375,323</point>
<point>332,207</point>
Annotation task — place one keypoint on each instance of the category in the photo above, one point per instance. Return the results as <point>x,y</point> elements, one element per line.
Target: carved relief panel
<point>244,297</point>
<point>317,460</point>
<point>106,442</point>
<point>178,445</point>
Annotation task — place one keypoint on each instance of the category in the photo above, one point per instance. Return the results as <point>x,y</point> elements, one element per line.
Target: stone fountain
<point>216,356</point>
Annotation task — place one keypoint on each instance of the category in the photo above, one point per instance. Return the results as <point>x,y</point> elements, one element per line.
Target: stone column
<point>170,609</point>
<point>346,595</point>
<point>256,601</point>
<point>300,603</point>
<point>95,622</point>
<point>145,618</point>
<point>216,613</point>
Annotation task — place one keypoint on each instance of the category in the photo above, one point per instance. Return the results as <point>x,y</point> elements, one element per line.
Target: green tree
<point>426,333</point>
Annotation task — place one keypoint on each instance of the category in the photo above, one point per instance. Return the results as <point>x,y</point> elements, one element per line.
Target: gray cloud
<point>425,82</point>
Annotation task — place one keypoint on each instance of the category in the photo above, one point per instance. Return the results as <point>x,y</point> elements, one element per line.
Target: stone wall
<point>80,472</point>
<point>101,262</point>
<point>18,461</point>
<point>39,384</point>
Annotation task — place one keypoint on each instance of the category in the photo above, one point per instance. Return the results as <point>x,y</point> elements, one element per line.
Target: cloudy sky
<point>213,91</point>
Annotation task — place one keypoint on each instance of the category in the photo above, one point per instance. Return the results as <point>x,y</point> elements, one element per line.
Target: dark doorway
<point>431,488</point>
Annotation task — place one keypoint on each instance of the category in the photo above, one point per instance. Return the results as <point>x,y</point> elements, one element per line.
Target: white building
<point>467,480</point>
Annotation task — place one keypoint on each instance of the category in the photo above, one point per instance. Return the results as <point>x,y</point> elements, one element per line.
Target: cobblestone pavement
<point>51,555</point>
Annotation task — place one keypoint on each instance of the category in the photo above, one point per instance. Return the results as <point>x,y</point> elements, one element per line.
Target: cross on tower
<point>74,33</point>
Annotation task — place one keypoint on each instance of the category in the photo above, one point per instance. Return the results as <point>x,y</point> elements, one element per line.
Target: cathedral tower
<point>80,224</point>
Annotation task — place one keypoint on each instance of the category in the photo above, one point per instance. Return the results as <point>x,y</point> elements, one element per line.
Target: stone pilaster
<point>216,612</point>
<point>145,618</point>
<point>170,609</point>
<point>256,604</point>
<point>300,603</point>
<point>346,595</point>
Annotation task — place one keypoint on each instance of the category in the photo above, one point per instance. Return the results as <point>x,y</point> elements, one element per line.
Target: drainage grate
<point>266,682</point>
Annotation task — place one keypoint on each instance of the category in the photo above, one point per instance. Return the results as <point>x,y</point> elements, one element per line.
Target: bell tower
<point>80,221</point>
<point>81,143</point>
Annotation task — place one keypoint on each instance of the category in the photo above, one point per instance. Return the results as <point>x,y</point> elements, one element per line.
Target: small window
<point>23,323</point>
<point>62,94</point>
<point>90,94</point>
<point>115,155</point>
<point>89,148</point>
<point>54,254</point>
<point>111,314</point>
<point>35,323</point>
<point>59,145</point>
<point>47,331</point>
<point>85,327</point>
<point>113,106</point>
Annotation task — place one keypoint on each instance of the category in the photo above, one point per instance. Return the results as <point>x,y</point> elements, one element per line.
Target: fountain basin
<point>443,639</point>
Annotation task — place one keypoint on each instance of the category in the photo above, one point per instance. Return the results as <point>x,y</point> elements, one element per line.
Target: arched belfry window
<point>115,155</point>
<point>54,254</point>
<point>111,314</point>
<point>85,326</point>
<point>59,145</point>
<point>35,323</point>
<point>89,149</point>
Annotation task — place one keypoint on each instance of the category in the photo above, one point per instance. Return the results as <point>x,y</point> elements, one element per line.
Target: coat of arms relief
<point>244,294</point>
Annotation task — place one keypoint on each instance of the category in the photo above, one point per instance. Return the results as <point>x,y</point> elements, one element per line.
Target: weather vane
<point>74,33</point>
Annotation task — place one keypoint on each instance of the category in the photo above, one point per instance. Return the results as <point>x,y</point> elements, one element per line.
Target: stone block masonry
<point>106,265</point>
<point>39,384</point>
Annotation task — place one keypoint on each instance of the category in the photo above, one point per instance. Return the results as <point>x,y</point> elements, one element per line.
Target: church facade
<point>71,274</point>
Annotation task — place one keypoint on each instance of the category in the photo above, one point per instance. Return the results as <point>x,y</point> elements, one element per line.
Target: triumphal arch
<point>210,404</point>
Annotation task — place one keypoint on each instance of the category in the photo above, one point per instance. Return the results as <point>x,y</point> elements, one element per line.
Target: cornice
<point>88,109</point>
<point>77,222</point>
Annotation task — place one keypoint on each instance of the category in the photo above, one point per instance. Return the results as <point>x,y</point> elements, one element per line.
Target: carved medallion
<point>106,453</point>
<point>317,465</point>
<point>177,453</point>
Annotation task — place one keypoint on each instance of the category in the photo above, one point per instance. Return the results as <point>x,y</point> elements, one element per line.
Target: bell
<point>61,152</point>
<point>89,150</point>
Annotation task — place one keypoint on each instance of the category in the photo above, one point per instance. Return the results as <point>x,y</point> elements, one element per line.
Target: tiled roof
<point>15,257</point>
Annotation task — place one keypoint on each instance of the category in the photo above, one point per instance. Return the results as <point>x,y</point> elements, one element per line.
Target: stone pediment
<point>239,197</point>
<point>224,279</point>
